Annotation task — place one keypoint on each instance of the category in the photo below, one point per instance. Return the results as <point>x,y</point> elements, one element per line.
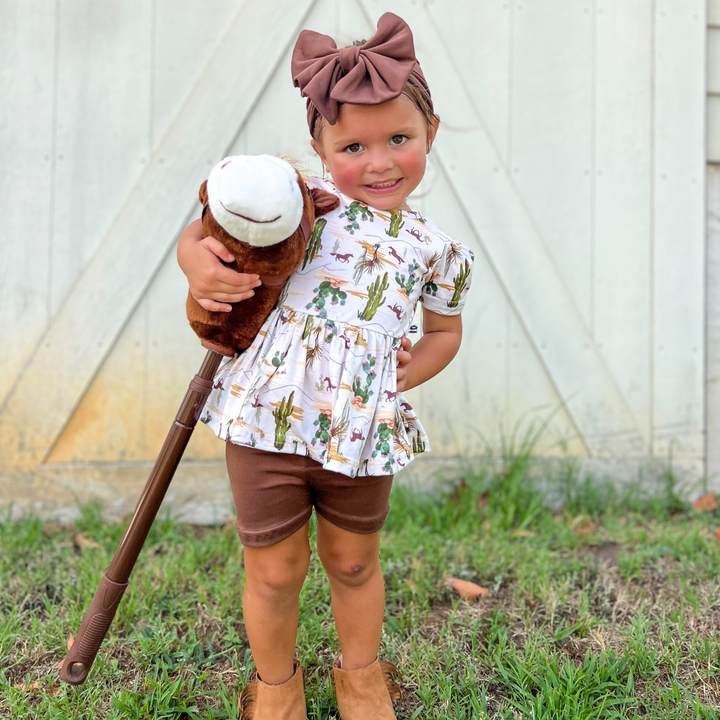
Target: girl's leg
<point>352,562</point>
<point>273,578</point>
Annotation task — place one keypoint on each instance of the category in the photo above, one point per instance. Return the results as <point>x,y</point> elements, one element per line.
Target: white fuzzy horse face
<point>255,198</point>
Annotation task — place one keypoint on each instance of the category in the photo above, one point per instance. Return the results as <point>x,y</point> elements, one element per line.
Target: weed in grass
<point>706,652</point>
<point>160,698</point>
<point>640,650</point>
<point>554,688</point>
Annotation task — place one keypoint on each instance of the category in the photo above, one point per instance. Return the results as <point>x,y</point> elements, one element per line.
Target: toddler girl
<point>312,413</point>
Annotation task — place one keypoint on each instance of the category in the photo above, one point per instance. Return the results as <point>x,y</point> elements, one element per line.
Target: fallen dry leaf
<point>482,501</point>
<point>411,585</point>
<point>717,533</point>
<point>83,543</point>
<point>522,533</point>
<point>705,503</point>
<point>582,525</point>
<point>466,589</point>
<point>70,642</point>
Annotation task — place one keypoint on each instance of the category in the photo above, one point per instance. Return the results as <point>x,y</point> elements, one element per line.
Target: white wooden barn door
<point>570,159</point>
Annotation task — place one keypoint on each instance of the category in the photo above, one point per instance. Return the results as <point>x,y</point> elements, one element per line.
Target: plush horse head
<point>260,209</point>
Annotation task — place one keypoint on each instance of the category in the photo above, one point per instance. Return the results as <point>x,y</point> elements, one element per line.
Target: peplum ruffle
<point>320,387</point>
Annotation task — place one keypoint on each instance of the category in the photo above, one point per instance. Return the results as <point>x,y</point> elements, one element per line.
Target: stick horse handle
<point>100,614</point>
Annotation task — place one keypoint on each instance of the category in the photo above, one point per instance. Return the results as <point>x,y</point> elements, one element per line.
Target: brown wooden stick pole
<point>100,614</point>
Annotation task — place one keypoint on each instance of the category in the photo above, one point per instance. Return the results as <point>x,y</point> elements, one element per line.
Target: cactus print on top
<point>320,378</point>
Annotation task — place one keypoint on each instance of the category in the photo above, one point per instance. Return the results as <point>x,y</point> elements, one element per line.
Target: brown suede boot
<point>260,701</point>
<point>367,693</point>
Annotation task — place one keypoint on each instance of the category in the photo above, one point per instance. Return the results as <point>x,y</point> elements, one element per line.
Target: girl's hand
<point>403,359</point>
<point>211,283</point>
<point>433,351</point>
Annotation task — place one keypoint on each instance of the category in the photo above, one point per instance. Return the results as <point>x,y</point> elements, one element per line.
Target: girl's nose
<point>378,161</point>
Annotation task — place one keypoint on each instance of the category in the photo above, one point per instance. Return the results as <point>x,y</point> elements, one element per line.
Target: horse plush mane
<point>260,209</point>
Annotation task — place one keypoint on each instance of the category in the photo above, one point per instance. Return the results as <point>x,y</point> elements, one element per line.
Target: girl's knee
<point>353,574</point>
<point>274,586</point>
<point>348,568</point>
<point>276,574</point>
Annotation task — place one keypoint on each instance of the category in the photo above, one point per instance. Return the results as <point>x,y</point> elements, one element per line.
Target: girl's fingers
<point>213,306</point>
<point>219,302</point>
<point>232,297</point>
<point>227,280</point>
<point>217,248</point>
<point>403,358</point>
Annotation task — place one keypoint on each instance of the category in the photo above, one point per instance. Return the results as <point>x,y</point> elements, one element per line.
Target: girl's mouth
<point>387,186</point>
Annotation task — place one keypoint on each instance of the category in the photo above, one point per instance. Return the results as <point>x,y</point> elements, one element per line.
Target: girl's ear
<point>432,131</point>
<point>323,201</point>
<point>317,147</point>
<point>203,194</point>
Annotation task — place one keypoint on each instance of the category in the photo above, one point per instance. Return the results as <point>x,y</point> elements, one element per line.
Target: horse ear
<point>323,201</point>
<point>203,194</point>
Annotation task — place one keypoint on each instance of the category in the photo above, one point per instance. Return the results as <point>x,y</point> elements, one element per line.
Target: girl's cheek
<point>346,173</point>
<point>413,163</point>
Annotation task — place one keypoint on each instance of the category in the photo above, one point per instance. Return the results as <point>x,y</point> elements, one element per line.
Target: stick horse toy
<point>260,208</point>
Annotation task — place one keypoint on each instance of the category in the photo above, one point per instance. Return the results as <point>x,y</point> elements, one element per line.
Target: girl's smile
<point>377,153</point>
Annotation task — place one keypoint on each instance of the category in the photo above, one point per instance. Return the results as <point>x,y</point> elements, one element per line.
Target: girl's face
<point>377,153</point>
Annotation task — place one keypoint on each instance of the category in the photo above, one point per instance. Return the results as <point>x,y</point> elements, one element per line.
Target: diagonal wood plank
<point>113,281</point>
<point>506,231</point>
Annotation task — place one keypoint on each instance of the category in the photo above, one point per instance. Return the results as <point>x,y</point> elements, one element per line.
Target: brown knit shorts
<point>275,493</point>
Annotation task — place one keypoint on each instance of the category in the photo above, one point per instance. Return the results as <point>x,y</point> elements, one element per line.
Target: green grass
<point>608,608</point>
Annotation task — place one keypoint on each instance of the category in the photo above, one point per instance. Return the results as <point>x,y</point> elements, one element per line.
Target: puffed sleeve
<point>448,281</point>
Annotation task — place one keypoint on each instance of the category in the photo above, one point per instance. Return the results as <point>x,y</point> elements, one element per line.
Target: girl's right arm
<point>211,283</point>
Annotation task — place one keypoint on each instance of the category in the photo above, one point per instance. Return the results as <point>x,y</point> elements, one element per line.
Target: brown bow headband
<point>368,74</point>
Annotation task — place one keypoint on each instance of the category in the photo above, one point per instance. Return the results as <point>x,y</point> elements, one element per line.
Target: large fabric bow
<point>368,74</point>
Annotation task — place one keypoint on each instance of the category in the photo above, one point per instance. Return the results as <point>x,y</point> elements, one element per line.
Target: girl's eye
<point>354,148</point>
<point>398,139</point>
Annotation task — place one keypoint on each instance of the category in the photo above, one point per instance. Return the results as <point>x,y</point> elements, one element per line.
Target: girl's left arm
<point>433,352</point>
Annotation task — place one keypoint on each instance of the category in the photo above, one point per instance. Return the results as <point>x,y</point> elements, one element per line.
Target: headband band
<point>369,74</point>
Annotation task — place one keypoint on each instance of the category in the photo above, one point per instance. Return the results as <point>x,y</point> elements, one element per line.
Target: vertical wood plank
<point>103,120</point>
<point>532,400</point>
<point>713,60</point>
<point>27,73</point>
<point>480,36</point>
<point>186,33</point>
<point>679,208</point>
<point>713,326</point>
<point>713,126</point>
<point>106,425</point>
<point>552,134</point>
<point>713,12</point>
<point>621,179</point>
